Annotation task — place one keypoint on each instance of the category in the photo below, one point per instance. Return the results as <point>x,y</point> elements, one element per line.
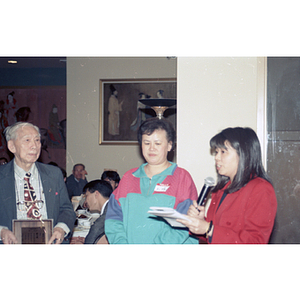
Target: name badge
<point>160,187</point>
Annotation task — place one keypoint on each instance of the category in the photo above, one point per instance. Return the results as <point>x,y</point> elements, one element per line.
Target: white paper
<point>77,200</point>
<point>169,214</point>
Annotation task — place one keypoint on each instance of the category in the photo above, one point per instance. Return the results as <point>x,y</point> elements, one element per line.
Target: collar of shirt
<point>21,173</point>
<point>103,207</point>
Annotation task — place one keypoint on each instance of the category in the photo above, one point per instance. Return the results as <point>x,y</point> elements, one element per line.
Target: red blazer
<point>244,217</point>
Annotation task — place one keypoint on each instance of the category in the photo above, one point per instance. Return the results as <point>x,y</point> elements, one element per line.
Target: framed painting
<point>121,113</point>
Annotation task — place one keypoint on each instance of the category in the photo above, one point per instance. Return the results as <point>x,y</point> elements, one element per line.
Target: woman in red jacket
<point>243,202</point>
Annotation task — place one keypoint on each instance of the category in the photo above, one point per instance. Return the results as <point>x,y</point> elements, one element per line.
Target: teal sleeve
<point>114,231</point>
<point>170,235</point>
<point>173,235</point>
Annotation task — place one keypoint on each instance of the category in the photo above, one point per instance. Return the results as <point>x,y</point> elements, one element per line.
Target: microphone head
<point>209,181</point>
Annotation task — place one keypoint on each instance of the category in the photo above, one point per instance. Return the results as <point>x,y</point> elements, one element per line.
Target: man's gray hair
<point>10,132</point>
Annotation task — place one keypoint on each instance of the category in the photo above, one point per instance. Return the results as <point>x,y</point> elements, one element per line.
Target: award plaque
<point>33,231</point>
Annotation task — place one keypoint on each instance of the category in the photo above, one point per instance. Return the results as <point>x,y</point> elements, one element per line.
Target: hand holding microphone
<point>197,223</point>
<point>209,182</point>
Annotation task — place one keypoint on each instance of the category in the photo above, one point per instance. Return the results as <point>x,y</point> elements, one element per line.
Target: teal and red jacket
<point>127,218</point>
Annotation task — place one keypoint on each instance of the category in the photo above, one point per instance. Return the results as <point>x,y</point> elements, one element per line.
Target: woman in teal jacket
<point>158,182</point>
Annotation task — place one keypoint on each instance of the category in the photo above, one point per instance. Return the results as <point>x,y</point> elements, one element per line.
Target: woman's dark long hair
<point>247,146</point>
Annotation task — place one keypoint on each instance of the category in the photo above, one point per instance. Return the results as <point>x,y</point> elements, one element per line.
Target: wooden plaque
<point>33,231</point>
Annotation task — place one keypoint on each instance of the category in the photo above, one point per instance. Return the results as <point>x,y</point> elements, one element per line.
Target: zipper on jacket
<point>149,186</point>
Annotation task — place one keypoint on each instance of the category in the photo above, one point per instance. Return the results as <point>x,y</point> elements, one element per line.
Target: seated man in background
<point>30,190</point>
<point>112,177</point>
<point>97,193</point>
<point>76,181</point>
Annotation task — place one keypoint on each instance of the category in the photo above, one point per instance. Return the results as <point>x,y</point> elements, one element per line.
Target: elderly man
<point>44,182</point>
<point>76,181</point>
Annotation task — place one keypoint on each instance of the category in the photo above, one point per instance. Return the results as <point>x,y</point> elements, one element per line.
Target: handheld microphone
<point>209,182</point>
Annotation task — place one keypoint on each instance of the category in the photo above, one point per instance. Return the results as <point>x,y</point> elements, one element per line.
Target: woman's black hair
<point>247,146</point>
<point>152,124</point>
<point>111,175</point>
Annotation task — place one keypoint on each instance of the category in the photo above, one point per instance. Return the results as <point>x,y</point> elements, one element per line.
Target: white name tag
<point>160,187</point>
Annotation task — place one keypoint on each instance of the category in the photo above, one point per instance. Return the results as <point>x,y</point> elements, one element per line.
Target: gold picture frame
<point>131,112</point>
<point>33,231</point>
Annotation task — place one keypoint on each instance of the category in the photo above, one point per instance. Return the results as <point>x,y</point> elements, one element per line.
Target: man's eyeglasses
<point>23,206</point>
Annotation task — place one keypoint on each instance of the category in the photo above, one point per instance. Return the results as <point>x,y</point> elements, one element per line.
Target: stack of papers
<point>169,214</point>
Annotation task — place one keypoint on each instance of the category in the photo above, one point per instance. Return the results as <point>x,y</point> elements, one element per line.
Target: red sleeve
<point>246,216</point>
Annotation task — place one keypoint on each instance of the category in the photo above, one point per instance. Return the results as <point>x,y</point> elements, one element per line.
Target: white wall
<point>213,93</point>
<point>83,75</point>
